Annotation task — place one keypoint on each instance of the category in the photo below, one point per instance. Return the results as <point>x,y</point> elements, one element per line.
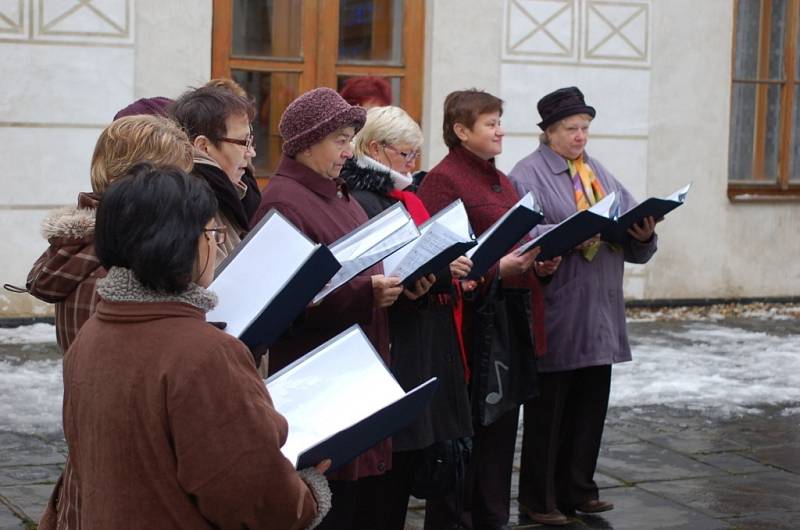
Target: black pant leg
<point>584,421</point>
<point>343,505</point>
<point>541,444</point>
<point>398,488</point>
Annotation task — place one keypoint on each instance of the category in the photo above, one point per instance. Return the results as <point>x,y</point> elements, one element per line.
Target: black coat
<point>422,332</point>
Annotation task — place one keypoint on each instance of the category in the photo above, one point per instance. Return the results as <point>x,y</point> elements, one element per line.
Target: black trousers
<point>562,432</point>
<point>486,501</point>
<point>356,505</point>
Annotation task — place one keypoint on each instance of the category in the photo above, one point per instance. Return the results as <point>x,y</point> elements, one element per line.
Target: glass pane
<point>740,162</point>
<point>746,54</point>
<point>371,31</point>
<point>771,126</point>
<point>794,163</point>
<point>777,39</point>
<point>394,83</point>
<point>267,28</point>
<point>272,93</point>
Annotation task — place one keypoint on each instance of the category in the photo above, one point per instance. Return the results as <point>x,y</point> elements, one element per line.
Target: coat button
<point>381,467</point>
<point>339,194</point>
<point>496,188</point>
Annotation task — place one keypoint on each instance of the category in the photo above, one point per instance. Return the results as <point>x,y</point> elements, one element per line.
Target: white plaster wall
<point>462,50</point>
<point>710,247</point>
<point>62,83</point>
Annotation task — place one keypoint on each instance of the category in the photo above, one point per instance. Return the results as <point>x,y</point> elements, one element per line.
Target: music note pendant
<point>493,398</point>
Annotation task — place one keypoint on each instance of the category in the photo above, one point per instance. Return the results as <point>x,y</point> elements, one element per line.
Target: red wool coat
<point>487,194</point>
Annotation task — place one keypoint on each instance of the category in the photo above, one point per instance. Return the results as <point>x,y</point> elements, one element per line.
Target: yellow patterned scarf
<point>588,191</point>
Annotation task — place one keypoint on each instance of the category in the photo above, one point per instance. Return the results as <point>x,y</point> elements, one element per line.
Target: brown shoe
<point>595,506</point>
<point>554,518</point>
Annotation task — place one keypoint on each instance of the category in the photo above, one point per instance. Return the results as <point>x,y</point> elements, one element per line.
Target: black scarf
<point>239,210</point>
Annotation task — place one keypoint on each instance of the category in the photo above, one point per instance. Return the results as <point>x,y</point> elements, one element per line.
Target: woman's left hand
<point>460,267</point>
<point>421,287</point>
<point>546,268</point>
<point>643,231</point>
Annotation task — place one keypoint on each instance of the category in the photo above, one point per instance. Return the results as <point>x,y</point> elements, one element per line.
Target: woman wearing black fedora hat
<point>584,317</point>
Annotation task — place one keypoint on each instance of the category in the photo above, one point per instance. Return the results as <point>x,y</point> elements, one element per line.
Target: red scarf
<point>413,205</point>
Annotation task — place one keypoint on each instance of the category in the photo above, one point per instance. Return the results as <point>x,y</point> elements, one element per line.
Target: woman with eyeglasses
<point>166,419</point>
<point>423,328</point>
<point>217,121</point>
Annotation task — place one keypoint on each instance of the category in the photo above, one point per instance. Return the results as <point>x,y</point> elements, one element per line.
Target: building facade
<point>702,92</point>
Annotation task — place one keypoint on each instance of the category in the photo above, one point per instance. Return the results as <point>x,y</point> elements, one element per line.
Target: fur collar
<point>365,173</point>
<point>121,285</point>
<point>73,223</point>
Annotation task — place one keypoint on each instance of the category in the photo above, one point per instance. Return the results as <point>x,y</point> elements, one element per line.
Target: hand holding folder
<point>652,207</point>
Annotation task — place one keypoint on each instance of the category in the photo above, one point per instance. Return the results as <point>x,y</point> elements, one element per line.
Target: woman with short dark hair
<point>166,419</point>
<point>217,121</point>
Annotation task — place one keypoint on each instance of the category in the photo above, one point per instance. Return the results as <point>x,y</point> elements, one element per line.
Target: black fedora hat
<point>561,104</point>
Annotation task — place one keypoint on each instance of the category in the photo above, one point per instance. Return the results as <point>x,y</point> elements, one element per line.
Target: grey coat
<point>584,304</point>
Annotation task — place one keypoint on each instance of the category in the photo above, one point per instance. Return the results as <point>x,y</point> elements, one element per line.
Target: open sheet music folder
<point>267,281</point>
<point>340,399</point>
<point>369,244</point>
<point>575,229</point>
<point>506,232</point>
<point>652,207</point>
<point>444,237</point>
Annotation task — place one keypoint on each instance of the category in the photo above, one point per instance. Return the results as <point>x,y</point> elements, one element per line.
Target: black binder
<point>340,399</point>
<point>274,310</point>
<point>505,233</point>
<point>573,230</point>
<point>346,445</point>
<point>652,207</point>
<point>448,218</point>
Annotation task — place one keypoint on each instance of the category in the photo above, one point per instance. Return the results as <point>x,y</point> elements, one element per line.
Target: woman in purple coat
<point>584,317</point>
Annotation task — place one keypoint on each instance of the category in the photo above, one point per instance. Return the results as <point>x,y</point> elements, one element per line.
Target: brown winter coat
<point>168,424</point>
<point>67,271</point>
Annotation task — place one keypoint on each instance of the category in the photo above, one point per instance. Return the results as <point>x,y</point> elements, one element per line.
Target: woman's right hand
<point>513,264</point>
<point>323,466</point>
<point>385,290</point>
<point>460,267</point>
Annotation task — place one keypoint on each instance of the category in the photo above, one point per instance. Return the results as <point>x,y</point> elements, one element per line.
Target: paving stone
<point>31,499</point>
<point>7,518</point>
<point>767,521</point>
<point>787,457</point>
<point>23,450</point>
<point>10,476</point>
<point>644,462</point>
<point>735,463</point>
<point>695,442</point>
<point>604,481</point>
<point>612,436</point>
<point>733,495</point>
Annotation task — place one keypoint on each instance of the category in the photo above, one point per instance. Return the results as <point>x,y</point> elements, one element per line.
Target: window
<point>764,160</point>
<point>278,49</point>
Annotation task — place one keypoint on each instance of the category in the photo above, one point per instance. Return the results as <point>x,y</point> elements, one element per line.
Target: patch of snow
<point>33,334</point>
<point>716,369</point>
<point>30,396</point>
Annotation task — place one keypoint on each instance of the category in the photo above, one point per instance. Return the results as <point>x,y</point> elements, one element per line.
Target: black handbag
<point>441,468</point>
<point>503,359</point>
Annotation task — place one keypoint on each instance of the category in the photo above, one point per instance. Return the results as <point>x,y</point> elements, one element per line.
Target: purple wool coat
<point>584,303</point>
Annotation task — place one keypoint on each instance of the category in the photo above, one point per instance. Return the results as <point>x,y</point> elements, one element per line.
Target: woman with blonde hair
<point>423,327</point>
<point>67,271</point>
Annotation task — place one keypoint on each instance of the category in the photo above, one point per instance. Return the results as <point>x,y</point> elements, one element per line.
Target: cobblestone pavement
<point>670,466</point>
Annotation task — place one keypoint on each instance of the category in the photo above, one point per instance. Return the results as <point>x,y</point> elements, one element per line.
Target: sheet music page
<point>434,241</point>
<point>369,234</point>
<point>401,236</point>
<point>680,195</point>
<point>525,202</point>
<point>257,272</point>
<point>332,390</point>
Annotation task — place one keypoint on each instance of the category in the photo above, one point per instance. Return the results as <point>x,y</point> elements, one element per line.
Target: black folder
<point>346,445</point>
<point>340,399</point>
<point>653,207</point>
<point>573,230</point>
<point>506,232</point>
<point>258,315</point>
<point>453,219</point>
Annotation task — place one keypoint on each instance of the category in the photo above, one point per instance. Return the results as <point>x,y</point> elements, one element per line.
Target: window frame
<point>321,67</point>
<point>781,188</point>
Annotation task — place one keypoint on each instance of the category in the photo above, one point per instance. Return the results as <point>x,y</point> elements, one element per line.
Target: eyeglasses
<point>408,157</point>
<point>247,143</point>
<point>218,232</point>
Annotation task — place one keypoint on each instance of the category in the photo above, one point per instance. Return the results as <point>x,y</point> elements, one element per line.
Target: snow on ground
<point>706,365</point>
<point>718,369</point>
